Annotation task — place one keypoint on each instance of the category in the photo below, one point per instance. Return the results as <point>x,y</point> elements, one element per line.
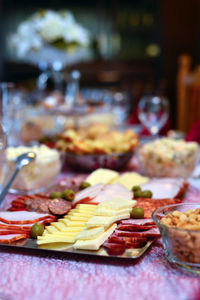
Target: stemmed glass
<point>153,112</point>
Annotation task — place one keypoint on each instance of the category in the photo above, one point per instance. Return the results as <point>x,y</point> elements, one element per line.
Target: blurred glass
<point>153,112</point>
<point>121,106</point>
<point>11,112</point>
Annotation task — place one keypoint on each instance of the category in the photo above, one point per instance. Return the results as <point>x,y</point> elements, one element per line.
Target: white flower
<point>47,27</point>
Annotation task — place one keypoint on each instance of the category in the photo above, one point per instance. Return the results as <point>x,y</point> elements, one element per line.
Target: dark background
<point>172,25</point>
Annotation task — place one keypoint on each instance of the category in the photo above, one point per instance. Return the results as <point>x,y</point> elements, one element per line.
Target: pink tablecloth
<point>30,276</point>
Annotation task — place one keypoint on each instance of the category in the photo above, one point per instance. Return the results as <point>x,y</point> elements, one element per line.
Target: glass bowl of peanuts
<point>179,226</point>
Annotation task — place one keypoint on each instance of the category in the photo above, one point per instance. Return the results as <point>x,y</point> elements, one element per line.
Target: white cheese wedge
<point>96,221</point>
<point>90,233</point>
<point>104,176</point>
<point>129,179</point>
<point>95,244</point>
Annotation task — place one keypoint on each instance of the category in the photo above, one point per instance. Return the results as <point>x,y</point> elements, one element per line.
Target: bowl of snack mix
<point>179,226</point>
<point>97,147</point>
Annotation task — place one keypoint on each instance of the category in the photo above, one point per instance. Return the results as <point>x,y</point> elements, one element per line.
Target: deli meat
<point>163,188</point>
<point>23,217</point>
<point>90,192</point>
<point>153,232</point>
<point>137,222</point>
<point>130,227</point>
<point>9,238</point>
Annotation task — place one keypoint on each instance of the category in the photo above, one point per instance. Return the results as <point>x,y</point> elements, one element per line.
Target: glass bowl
<point>90,162</point>
<point>181,246</point>
<point>168,158</point>
<point>39,175</point>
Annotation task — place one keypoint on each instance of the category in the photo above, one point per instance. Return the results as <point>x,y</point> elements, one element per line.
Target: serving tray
<point>30,244</point>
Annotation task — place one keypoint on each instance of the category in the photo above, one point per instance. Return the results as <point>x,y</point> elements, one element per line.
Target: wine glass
<point>153,112</point>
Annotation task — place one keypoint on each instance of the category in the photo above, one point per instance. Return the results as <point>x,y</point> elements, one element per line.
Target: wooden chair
<point>188,94</point>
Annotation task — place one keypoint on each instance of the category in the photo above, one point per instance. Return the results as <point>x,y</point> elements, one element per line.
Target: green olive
<point>136,188</point>
<point>54,195</point>
<point>146,194</point>
<point>83,185</point>
<point>137,213</point>
<point>137,194</point>
<point>68,195</point>
<point>37,229</point>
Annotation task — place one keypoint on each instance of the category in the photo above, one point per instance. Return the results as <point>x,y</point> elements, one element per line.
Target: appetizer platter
<point>104,215</point>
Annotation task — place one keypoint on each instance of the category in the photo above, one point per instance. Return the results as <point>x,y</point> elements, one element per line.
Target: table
<point>36,277</point>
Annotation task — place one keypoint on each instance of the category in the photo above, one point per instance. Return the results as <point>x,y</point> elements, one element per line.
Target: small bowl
<point>154,163</point>
<point>90,162</point>
<point>181,246</point>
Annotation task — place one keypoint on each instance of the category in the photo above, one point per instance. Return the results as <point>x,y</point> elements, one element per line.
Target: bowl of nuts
<point>179,226</point>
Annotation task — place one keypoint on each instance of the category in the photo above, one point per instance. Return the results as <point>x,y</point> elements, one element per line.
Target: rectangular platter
<point>31,245</point>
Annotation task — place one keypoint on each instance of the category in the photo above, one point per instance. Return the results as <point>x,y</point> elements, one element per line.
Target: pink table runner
<point>30,276</point>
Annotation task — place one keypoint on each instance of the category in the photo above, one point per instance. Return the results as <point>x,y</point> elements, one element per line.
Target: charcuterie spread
<point>106,214</point>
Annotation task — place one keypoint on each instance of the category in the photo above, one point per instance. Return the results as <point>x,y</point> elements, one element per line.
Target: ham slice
<point>13,231</point>
<point>163,188</point>
<point>112,191</point>
<point>153,232</point>
<point>90,192</point>
<point>24,217</point>
<point>9,238</point>
<point>137,222</point>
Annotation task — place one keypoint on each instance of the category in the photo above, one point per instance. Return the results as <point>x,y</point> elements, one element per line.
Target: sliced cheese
<point>76,218</point>
<point>129,179</point>
<point>104,176</point>
<point>117,203</point>
<point>58,225</point>
<point>94,244</point>
<point>50,229</point>
<point>55,246</point>
<point>96,221</point>
<point>111,212</point>
<point>90,233</point>
<point>88,207</point>
<point>57,239</point>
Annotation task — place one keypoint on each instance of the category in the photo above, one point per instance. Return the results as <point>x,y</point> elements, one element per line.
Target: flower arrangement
<point>52,30</point>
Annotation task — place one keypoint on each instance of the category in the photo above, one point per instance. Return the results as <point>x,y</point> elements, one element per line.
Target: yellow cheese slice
<point>88,207</point>
<point>57,239</point>
<point>72,223</point>
<point>90,233</point>
<point>117,203</point>
<point>111,212</point>
<point>80,214</point>
<point>129,179</point>
<point>96,221</point>
<point>104,176</point>
<point>76,218</point>
<point>95,244</point>
<point>58,225</point>
<point>50,229</point>
<point>55,246</point>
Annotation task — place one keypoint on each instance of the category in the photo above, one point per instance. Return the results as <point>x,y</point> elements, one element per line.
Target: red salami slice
<point>59,207</point>
<point>154,232</point>
<point>114,249</point>
<point>124,240</point>
<point>135,227</point>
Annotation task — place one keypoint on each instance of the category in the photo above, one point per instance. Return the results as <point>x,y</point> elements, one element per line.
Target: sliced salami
<point>9,238</point>
<point>131,227</point>
<point>59,206</point>
<point>153,232</point>
<point>114,248</point>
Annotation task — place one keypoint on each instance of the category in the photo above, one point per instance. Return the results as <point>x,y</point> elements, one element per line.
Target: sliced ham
<point>90,192</point>
<point>137,222</point>
<point>163,188</point>
<point>153,232</point>
<point>24,217</point>
<point>13,231</point>
<point>111,191</point>
<point>9,238</point>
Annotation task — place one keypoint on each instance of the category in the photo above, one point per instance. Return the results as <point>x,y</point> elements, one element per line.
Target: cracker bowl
<point>179,226</point>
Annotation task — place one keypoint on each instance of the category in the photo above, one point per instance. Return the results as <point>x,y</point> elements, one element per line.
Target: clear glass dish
<point>181,246</point>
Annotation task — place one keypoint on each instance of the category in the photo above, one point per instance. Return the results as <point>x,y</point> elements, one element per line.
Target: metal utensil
<point>21,161</point>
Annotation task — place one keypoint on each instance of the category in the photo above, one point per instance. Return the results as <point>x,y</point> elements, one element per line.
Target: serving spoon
<point>21,161</point>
